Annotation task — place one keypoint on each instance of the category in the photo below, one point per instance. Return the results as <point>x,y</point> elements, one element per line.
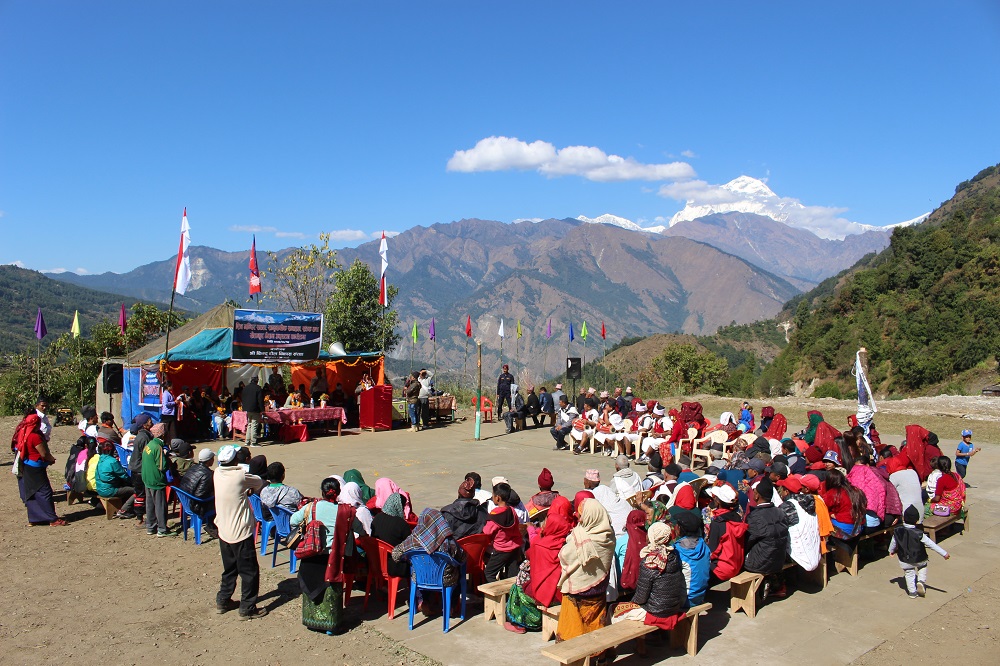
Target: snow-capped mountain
<point>750,195</point>
<point>616,221</point>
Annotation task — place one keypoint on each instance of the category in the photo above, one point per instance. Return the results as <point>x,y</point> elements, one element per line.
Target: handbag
<point>941,510</point>
<point>311,539</point>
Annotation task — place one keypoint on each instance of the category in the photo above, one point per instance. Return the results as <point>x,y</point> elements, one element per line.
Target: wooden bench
<point>577,651</point>
<point>112,505</point>
<point>845,555</point>
<point>550,621</point>
<point>934,524</point>
<point>743,588</point>
<point>495,599</point>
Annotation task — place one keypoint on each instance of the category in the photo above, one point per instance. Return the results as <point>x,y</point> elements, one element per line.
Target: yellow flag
<point>518,328</point>
<point>75,330</point>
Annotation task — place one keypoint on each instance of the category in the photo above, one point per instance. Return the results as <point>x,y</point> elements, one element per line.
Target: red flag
<point>468,327</point>
<point>604,333</point>
<point>383,251</point>
<point>254,273</point>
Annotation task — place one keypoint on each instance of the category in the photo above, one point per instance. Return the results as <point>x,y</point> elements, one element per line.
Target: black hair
<point>242,455</point>
<point>476,479</point>
<point>673,469</point>
<point>564,398</point>
<point>275,472</point>
<point>787,445</point>
<point>503,491</point>
<point>107,417</point>
<point>859,503</point>
<point>543,389</point>
<point>846,451</point>
<point>944,464</point>
<point>330,489</point>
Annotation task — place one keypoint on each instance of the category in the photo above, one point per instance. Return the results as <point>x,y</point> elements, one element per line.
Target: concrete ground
<point>834,626</point>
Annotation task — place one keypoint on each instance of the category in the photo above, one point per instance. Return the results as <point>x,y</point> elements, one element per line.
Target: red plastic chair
<point>487,409</point>
<point>475,546</point>
<point>377,571</point>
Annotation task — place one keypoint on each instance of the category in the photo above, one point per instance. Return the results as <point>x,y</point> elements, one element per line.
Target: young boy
<point>911,543</point>
<point>503,527</point>
<point>965,451</point>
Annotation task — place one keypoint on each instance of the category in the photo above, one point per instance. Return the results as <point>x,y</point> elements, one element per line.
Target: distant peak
<point>749,185</point>
<point>616,221</point>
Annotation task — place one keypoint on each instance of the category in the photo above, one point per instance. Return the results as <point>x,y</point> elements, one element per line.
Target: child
<point>965,451</point>
<point>503,527</point>
<point>911,542</point>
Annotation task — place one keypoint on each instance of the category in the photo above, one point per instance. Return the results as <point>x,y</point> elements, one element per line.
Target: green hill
<point>927,308</point>
<point>23,291</point>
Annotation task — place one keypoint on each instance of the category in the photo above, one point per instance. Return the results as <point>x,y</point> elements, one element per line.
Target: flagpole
<point>465,370</point>
<point>38,370</point>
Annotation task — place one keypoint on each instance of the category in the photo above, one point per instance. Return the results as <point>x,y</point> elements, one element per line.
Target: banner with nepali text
<point>276,337</point>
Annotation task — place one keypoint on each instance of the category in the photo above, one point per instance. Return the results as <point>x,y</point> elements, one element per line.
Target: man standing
<point>253,405</point>
<point>317,387</point>
<point>275,381</point>
<point>567,413</point>
<point>558,393</point>
<point>168,412</point>
<point>504,382</point>
<point>426,390</point>
<point>235,522</point>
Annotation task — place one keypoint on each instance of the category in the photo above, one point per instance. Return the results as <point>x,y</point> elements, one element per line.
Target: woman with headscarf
<point>655,511</point>
<point>384,488</point>
<point>815,418</point>
<point>776,429</point>
<point>389,526</point>
<point>432,535</point>
<point>586,562</point>
<point>628,546</point>
<point>32,479</point>
<point>354,476</point>
<point>660,593</point>
<point>466,516</point>
<point>578,503</point>
<point>351,495</point>
<point>321,577</point>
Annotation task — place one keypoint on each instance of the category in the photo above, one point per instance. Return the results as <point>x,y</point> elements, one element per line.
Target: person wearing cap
<point>557,394</point>
<point>963,454</point>
<point>607,432</point>
<point>235,522</point>
<point>465,516</point>
<point>766,539</point>
<point>518,410</point>
<point>724,510</point>
<point>182,455</point>
<point>695,555</point>
<point>639,428</point>
<point>564,423</point>
<point>617,508</point>
<point>541,500</point>
<point>504,382</point>
<point>910,544</point>
<point>803,524</point>
<point>626,482</point>
<point>199,482</point>
<point>154,467</point>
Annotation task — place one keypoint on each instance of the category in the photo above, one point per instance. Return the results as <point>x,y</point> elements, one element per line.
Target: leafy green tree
<point>305,279</point>
<point>681,369</point>
<point>354,316</point>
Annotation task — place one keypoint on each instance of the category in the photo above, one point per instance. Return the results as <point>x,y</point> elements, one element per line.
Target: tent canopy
<point>219,317</point>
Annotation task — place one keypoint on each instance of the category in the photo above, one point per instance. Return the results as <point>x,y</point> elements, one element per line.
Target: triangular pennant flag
<point>75,328</point>
<point>501,327</point>
<point>604,332</point>
<point>430,330</point>
<point>571,331</point>
<point>414,332</point>
<point>468,326</point>
<point>518,328</point>
<point>548,331</point>
<point>122,320</point>
<point>583,331</point>
<point>40,330</point>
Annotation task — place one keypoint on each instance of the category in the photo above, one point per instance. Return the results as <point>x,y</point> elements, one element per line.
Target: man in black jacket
<point>253,405</point>
<point>199,482</point>
<point>533,405</point>
<point>767,542</point>
<point>504,382</point>
<point>465,516</point>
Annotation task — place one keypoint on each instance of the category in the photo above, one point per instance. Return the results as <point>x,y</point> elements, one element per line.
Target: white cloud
<point>688,154</point>
<point>698,192</point>
<point>347,235</point>
<point>252,229</point>
<point>501,153</point>
<point>290,234</point>
<point>533,220</point>
<point>388,234</point>
<point>18,263</point>
<point>659,219</point>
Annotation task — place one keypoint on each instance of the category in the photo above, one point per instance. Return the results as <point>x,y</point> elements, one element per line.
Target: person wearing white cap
<point>626,482</point>
<point>641,423</point>
<point>658,432</point>
<point>235,522</point>
<point>609,432</point>
<point>726,517</point>
<point>618,509</point>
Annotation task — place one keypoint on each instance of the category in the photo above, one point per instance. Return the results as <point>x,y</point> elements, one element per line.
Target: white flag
<point>383,251</point>
<point>182,273</point>
<point>501,327</point>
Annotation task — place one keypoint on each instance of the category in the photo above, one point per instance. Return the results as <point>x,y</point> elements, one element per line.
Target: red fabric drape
<point>916,450</point>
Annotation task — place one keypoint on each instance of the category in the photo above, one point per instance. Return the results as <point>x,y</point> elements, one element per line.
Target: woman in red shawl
<point>32,479</point>
<point>776,429</point>
<point>916,450</point>
<point>543,555</point>
<point>635,528</point>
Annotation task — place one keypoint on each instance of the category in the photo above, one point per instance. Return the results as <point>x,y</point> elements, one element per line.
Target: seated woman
<point>627,549</point>
<point>351,494</point>
<point>385,488</point>
<point>276,493</point>
<point>466,516</point>
<point>867,480</point>
<point>949,492</point>
<point>113,481</point>
<point>294,400</point>
<point>847,504</point>
<point>695,556</point>
<point>321,578</point>
<point>388,526</point>
<point>660,592</point>
<point>432,535</point>
<point>367,492</point>
<point>586,562</point>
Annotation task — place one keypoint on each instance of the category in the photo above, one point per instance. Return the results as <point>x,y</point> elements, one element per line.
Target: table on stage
<point>293,416</point>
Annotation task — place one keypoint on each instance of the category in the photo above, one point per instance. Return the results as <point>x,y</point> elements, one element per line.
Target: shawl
<point>544,554</point>
<point>394,506</point>
<point>19,442</point>
<point>654,554</point>
<point>578,500</point>
<point>727,418</point>
<point>916,450</point>
<point>635,526</point>
<point>778,427</point>
<point>589,552</point>
<point>431,533</point>
<point>343,545</point>
<point>825,436</point>
<point>353,475</point>
<point>351,495</point>
<point>385,487</point>
<point>659,513</point>
<point>562,506</point>
<point>815,418</point>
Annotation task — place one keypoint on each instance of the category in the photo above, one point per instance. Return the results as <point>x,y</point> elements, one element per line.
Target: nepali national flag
<point>383,251</point>
<point>254,272</point>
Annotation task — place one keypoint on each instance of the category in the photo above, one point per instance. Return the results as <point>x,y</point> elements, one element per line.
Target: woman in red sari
<point>950,489</point>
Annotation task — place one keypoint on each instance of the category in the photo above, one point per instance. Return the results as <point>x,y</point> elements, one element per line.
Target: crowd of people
<point>646,545</point>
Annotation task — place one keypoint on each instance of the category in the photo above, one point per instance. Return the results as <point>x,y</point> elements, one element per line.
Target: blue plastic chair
<point>123,457</point>
<point>428,574</point>
<point>266,526</point>
<point>282,530</point>
<point>188,517</point>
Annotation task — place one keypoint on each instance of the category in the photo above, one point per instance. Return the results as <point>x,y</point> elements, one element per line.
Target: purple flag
<point>122,320</point>
<point>571,331</point>
<point>548,331</point>
<point>40,330</point>
<point>430,329</point>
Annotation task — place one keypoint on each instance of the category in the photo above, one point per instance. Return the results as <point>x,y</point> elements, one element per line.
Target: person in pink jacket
<point>867,480</point>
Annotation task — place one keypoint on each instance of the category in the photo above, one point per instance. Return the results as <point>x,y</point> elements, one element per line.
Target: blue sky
<point>296,118</point>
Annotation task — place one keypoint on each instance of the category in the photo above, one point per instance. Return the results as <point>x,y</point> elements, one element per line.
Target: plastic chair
<point>378,571</point>
<point>123,457</point>
<point>264,527</point>
<point>475,546</point>
<point>428,574</point>
<point>714,437</point>
<point>282,530</point>
<point>189,517</point>
<point>487,409</point>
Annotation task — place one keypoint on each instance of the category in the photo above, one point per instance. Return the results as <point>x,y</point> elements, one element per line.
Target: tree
<point>354,316</point>
<point>305,279</point>
<point>682,369</point>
